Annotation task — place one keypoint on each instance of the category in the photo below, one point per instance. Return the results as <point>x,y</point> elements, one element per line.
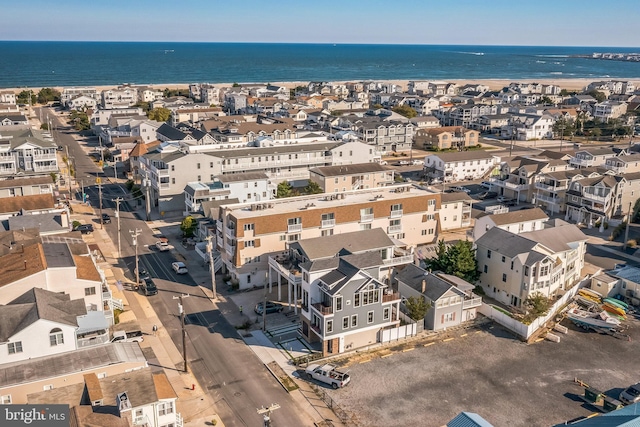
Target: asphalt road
<point>235,378</point>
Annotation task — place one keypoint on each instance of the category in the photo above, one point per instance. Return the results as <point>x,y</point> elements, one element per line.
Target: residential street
<point>224,366</point>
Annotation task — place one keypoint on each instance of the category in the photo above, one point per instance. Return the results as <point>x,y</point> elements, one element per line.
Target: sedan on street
<point>179,267</point>
<point>272,307</point>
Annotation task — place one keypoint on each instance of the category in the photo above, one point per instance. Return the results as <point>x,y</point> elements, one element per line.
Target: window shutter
<point>257,243</point>
<point>454,315</point>
<point>442,321</point>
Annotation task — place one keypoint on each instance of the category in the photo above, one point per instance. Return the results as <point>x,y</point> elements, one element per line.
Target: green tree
<point>235,84</point>
<point>417,307</point>
<point>48,94</point>
<point>563,127</point>
<point>146,106</point>
<point>23,97</point>
<point>564,92</point>
<point>188,226</point>
<point>284,190</point>
<point>535,305</point>
<point>54,176</point>
<point>458,259</point>
<point>159,114</point>
<point>44,126</point>
<point>599,96</point>
<point>595,133</point>
<point>377,106</point>
<point>312,188</point>
<point>405,110</point>
<point>79,120</point>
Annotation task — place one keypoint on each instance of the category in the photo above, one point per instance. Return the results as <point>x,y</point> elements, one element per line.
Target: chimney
<point>424,285</point>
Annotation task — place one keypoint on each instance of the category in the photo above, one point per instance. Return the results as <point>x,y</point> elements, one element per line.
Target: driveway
<point>489,372</point>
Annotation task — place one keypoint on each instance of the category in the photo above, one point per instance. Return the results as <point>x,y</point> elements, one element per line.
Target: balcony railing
<point>581,162</point>
<point>498,182</point>
<point>92,340</point>
<point>328,223</point>
<point>517,187</point>
<point>220,241</point>
<point>396,214</point>
<point>294,228</point>
<point>230,249</point>
<point>322,309</point>
<point>399,260</point>
<point>230,232</point>
<point>394,229</point>
<point>593,197</point>
<point>548,199</point>
<point>475,301</point>
<point>50,156</point>
<point>292,274</point>
<point>548,187</point>
<point>391,297</point>
<point>366,218</point>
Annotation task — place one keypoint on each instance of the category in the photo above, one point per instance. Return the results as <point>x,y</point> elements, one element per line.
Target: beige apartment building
<point>333,179</point>
<point>247,234</point>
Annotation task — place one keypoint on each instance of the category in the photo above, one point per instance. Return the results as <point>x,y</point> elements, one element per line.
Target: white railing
<point>366,218</point>
<point>51,156</point>
<point>229,249</point>
<point>116,304</point>
<point>93,340</point>
<point>405,259</point>
<point>328,223</point>
<point>44,168</point>
<point>517,187</point>
<point>581,162</point>
<point>472,302</point>
<point>547,187</point>
<point>396,214</point>
<point>595,198</point>
<point>294,228</point>
<point>548,199</point>
<point>162,172</point>
<point>165,185</point>
<point>394,229</point>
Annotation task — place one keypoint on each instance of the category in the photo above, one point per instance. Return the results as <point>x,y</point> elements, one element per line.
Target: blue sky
<point>478,22</point>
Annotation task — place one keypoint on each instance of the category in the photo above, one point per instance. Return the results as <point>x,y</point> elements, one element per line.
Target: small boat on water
<point>597,320</point>
<point>617,303</point>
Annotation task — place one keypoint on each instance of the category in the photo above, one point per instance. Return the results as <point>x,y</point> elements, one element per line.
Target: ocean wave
<point>553,56</point>
<point>557,73</point>
<point>472,53</point>
<point>541,62</point>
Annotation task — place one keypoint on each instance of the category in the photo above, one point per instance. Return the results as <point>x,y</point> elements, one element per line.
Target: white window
<point>370,317</point>
<point>165,408</point>
<point>89,291</point>
<point>56,337</point>
<point>365,226</point>
<point>5,400</point>
<point>15,347</point>
<point>449,317</point>
<point>385,313</point>
<point>345,322</point>
<point>354,320</point>
<point>249,243</point>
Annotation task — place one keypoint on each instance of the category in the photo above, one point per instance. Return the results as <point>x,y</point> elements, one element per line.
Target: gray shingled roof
<point>36,304</point>
<point>505,243</point>
<point>357,241</point>
<point>556,238</point>
<point>456,196</point>
<point>239,177</point>
<point>45,222</point>
<point>171,132</point>
<point>435,286</point>
<point>519,216</point>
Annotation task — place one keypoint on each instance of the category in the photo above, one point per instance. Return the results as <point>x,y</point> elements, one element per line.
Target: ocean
<point>42,64</point>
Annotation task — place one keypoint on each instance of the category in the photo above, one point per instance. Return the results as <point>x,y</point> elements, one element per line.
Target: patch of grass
<point>116,315</point>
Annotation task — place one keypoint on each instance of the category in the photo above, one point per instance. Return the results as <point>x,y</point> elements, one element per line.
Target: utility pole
<point>118,200</point>
<point>134,238</point>
<point>147,183</point>
<point>266,412</point>
<point>626,230</point>
<point>184,333</point>
<point>99,181</point>
<point>211,267</point>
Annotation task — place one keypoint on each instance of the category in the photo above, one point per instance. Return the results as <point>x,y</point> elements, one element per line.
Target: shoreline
<point>572,84</point>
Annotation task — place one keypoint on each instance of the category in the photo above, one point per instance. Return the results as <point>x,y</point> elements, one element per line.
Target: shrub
<point>75,224</point>
<point>129,185</point>
<point>632,243</point>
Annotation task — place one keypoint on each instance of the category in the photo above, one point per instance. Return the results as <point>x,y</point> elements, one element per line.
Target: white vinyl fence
<point>525,331</point>
<point>399,333</point>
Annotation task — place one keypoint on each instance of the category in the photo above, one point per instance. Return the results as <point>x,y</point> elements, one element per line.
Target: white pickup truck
<point>328,374</point>
<point>122,336</point>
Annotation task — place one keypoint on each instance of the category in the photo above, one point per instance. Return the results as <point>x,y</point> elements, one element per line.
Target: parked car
<point>503,199</point>
<point>162,246</point>
<point>122,336</point>
<point>403,163</point>
<point>60,148</point>
<point>84,228</point>
<point>143,273</point>
<point>106,219</point>
<point>459,188</point>
<point>384,162</point>
<point>417,162</point>
<point>179,267</point>
<point>436,181</point>
<point>488,195</point>
<point>272,307</point>
<point>147,287</point>
<point>630,394</point>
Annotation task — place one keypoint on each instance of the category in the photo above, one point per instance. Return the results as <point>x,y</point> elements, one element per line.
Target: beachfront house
<point>458,166</point>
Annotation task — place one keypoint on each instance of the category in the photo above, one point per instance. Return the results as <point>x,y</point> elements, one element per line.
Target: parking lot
<point>488,372</point>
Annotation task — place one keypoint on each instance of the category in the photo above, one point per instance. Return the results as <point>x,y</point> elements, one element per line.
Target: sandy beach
<point>494,84</point>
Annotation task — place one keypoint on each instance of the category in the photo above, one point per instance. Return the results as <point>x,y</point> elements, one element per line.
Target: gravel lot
<point>489,372</point>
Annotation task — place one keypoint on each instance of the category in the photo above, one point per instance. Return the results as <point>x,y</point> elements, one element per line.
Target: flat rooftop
<point>325,200</point>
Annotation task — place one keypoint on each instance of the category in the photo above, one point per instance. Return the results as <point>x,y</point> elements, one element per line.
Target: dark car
<point>142,275</point>
<point>147,287</point>
<point>106,219</point>
<point>84,228</point>
<point>272,307</point>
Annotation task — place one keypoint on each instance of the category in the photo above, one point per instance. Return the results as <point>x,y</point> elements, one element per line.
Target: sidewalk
<point>193,403</point>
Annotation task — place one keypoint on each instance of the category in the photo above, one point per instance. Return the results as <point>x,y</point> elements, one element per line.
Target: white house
<point>81,102</point>
<point>516,266</point>
<point>520,221</point>
<point>455,211</point>
<point>458,166</point>
<point>243,187</point>
<point>137,398</point>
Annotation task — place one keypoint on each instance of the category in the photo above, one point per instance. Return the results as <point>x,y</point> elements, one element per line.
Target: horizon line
<point>311,43</point>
